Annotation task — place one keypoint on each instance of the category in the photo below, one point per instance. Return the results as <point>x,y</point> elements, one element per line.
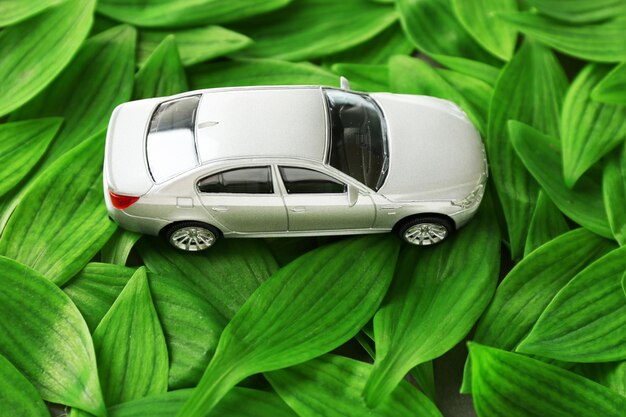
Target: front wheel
<point>425,231</point>
<point>192,236</point>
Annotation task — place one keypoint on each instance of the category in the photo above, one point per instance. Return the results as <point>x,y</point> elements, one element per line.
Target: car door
<point>244,200</point>
<point>317,201</point>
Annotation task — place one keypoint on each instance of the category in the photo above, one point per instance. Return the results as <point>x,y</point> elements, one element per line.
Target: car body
<point>291,161</point>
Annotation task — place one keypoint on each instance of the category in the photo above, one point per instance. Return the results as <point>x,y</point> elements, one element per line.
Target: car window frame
<point>273,180</point>
<point>288,164</point>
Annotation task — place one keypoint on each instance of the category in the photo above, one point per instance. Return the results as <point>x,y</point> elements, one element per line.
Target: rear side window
<point>256,180</point>
<point>308,181</point>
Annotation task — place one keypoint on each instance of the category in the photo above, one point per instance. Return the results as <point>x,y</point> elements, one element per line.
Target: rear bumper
<point>144,225</point>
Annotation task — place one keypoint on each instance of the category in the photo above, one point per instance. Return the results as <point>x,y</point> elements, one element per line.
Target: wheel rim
<point>423,234</point>
<point>192,238</point>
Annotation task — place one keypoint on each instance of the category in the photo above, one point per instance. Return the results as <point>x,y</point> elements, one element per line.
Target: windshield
<point>170,145</point>
<point>358,143</point>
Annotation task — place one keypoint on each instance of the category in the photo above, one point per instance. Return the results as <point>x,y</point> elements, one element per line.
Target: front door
<point>316,201</point>
<point>244,200</point>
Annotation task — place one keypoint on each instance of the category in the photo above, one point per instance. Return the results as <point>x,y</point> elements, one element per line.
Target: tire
<point>191,236</point>
<point>425,231</point>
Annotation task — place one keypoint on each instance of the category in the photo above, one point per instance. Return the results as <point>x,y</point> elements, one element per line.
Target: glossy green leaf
<point>377,51</point>
<point>176,13</point>
<point>578,11</point>
<point>479,18</point>
<point>477,92</point>
<point>609,374</point>
<point>364,77</point>
<point>22,144</point>
<point>307,29</point>
<point>586,321</point>
<point>44,336</point>
<point>242,72</point>
<point>612,89</point>
<point>602,42</point>
<point>195,45</point>
<point>542,157</point>
<point>589,129</point>
<point>36,50</point>
<point>226,275</point>
<point>331,386</point>
<point>14,11</point>
<point>530,286</point>
<point>434,29</point>
<point>130,346</point>
<point>307,308</point>
<point>59,242</point>
<point>512,385</point>
<point>86,102</point>
<point>239,402</point>
<point>436,297</point>
<point>162,74</point>
<point>475,69</point>
<point>117,249</point>
<point>614,192</point>
<point>17,394</point>
<point>546,224</point>
<point>413,76</point>
<point>530,89</point>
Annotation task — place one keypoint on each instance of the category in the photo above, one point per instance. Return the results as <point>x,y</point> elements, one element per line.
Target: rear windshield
<point>170,145</point>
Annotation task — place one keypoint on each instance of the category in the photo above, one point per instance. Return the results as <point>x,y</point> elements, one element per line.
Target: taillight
<point>122,202</point>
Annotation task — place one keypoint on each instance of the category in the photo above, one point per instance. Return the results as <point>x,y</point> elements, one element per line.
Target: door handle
<point>298,209</point>
<point>219,208</point>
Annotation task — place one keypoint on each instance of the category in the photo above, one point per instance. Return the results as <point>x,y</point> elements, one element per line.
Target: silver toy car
<point>292,161</point>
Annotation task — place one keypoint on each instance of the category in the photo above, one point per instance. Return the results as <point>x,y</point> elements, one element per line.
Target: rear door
<point>244,199</point>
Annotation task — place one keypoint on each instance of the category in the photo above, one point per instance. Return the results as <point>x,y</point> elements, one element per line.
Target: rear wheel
<point>192,236</point>
<point>425,231</point>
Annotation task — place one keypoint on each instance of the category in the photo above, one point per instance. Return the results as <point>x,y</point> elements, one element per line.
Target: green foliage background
<point>110,323</point>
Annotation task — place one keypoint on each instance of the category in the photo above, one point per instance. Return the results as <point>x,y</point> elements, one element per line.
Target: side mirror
<point>353,195</point>
<point>345,84</point>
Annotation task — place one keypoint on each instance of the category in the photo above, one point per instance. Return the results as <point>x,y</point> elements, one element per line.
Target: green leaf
<point>530,89</point>
<point>364,77</point>
<point>14,11</point>
<point>239,402</point>
<point>17,394</point>
<point>589,129</point>
<point>162,74</point>
<point>542,157</point>
<point>44,336</point>
<point>435,30</point>
<point>22,144</point>
<point>475,91</point>
<point>507,384</point>
<point>309,29</point>
<point>286,249</point>
<point>98,79</point>
<point>225,276</point>
<point>579,11</point>
<point>175,13</point>
<point>614,193</point>
<point>478,70</point>
<point>242,72</point>
<point>117,249</point>
<point>307,308</point>
<point>61,222</point>
<point>586,321</point>
<point>479,19</point>
<point>612,89</point>
<point>436,297</point>
<point>35,51</point>
<point>413,76</point>
<point>610,374</point>
<point>530,286</point>
<point>546,224</point>
<point>130,346</point>
<point>376,51</point>
<point>602,42</point>
<point>331,386</point>
<point>195,45</point>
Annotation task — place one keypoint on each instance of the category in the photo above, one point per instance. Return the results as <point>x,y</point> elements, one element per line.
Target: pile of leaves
<point>247,328</point>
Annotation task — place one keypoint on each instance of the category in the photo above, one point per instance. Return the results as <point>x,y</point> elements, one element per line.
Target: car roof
<point>262,122</point>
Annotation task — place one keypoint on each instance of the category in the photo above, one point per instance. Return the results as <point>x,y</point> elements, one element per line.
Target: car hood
<point>435,152</point>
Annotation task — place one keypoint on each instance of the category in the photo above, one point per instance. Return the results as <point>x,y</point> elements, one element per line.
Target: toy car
<point>292,161</point>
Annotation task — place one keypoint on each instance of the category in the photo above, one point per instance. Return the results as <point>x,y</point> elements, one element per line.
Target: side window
<point>256,180</point>
<point>308,181</point>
